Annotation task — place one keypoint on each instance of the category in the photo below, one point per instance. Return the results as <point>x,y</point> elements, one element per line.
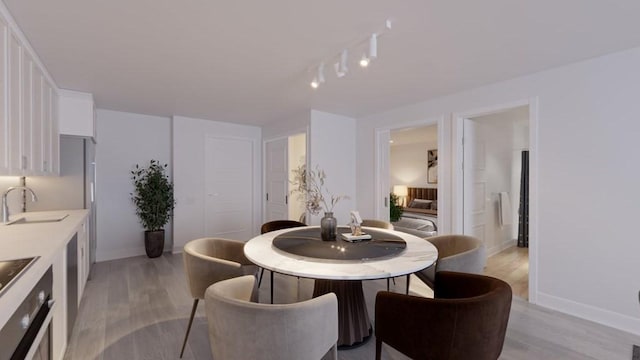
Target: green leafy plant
<point>153,195</point>
<point>395,210</point>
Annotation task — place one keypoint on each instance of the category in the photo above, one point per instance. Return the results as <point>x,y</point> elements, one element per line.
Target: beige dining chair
<point>458,253</point>
<point>242,329</point>
<point>209,260</point>
<point>381,224</point>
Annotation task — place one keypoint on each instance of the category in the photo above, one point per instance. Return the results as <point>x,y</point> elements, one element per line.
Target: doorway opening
<point>413,175</point>
<point>283,156</point>
<point>495,192</point>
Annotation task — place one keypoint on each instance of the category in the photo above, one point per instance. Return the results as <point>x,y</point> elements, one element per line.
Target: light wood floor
<point>512,266</point>
<point>138,308</point>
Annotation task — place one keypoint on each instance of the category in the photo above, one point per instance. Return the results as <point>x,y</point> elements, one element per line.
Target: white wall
<point>587,172</point>
<point>125,139</point>
<point>188,173</point>
<point>333,148</point>
<point>408,164</point>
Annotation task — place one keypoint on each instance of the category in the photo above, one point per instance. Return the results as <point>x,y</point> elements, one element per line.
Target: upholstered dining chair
<point>241,329</point>
<point>273,226</point>
<point>466,319</point>
<point>381,224</point>
<point>458,253</point>
<point>209,260</point>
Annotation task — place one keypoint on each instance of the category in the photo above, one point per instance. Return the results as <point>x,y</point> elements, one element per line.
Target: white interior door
<point>475,182</point>
<point>276,180</point>
<point>228,188</point>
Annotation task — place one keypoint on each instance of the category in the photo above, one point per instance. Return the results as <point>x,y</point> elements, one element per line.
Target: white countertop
<point>34,239</point>
<point>419,254</point>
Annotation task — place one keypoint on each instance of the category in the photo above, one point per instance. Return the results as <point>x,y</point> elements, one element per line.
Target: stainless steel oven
<point>27,334</point>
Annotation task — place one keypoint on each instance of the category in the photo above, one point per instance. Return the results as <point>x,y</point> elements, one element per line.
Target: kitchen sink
<point>38,219</point>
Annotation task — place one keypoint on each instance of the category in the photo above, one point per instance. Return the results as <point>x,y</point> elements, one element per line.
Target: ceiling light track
<point>341,64</point>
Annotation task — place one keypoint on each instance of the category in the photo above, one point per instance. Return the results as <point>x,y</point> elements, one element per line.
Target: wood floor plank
<point>138,308</point>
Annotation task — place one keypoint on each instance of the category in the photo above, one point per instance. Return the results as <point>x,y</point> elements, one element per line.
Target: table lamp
<point>401,191</point>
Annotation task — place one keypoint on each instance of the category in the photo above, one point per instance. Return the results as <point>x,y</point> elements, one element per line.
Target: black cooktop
<point>10,270</point>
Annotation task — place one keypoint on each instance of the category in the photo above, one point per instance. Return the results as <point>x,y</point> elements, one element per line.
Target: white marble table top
<point>418,255</point>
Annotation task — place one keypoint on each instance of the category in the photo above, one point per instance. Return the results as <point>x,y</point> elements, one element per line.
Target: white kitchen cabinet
<point>16,159</point>
<point>4,118</point>
<point>83,256</point>
<point>29,140</point>
<point>77,113</point>
<point>36,120</point>
<point>27,104</point>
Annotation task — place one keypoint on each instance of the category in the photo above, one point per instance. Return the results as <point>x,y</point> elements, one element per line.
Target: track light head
<point>373,46</point>
<point>364,61</point>
<point>314,83</point>
<point>339,73</point>
<point>321,73</point>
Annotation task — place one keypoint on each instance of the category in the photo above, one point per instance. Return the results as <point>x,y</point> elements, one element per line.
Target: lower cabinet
<point>70,272</point>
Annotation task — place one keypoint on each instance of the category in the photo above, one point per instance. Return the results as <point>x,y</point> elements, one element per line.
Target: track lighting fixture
<point>319,79</point>
<point>364,61</point>
<point>340,66</point>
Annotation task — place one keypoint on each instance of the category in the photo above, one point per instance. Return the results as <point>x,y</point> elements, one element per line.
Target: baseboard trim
<point>498,248</point>
<point>605,317</point>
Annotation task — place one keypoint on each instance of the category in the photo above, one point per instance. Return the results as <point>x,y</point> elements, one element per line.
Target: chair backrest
<point>208,260</point>
<point>240,329</point>
<point>467,319</point>
<point>458,253</point>
<point>381,224</point>
<point>279,225</point>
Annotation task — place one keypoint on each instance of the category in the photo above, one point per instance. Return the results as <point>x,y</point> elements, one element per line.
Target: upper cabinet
<point>77,114</point>
<point>29,141</point>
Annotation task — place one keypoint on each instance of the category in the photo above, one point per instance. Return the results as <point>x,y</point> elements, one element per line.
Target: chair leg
<point>408,275</point>
<point>260,278</point>
<point>271,286</point>
<point>378,349</point>
<point>186,336</point>
<point>394,281</point>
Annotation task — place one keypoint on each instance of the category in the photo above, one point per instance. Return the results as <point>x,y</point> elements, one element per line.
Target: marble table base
<point>354,326</point>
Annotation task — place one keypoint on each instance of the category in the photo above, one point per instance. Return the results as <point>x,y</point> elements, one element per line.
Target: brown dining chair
<point>209,260</point>
<point>459,253</point>
<point>466,319</point>
<point>240,328</point>
<point>273,226</point>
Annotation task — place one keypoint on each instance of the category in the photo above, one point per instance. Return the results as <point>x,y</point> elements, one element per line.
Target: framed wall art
<point>432,166</point>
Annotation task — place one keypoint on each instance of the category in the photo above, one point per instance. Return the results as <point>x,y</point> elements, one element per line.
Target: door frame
<point>301,130</point>
<point>381,179</point>
<point>458,177</point>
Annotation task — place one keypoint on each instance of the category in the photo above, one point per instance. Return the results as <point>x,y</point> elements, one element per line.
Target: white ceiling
<point>250,62</point>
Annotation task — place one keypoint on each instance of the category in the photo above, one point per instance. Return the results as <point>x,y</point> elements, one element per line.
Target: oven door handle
<point>43,330</point>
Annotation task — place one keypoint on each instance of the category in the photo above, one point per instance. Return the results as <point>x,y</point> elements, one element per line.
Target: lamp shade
<point>400,190</point>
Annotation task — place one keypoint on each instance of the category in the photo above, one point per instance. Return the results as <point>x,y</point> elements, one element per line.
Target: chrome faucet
<point>5,206</point>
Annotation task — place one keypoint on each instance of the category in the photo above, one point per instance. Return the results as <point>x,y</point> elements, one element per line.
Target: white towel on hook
<point>505,209</point>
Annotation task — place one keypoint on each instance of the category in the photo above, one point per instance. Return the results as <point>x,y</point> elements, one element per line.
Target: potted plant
<point>153,197</point>
<point>395,210</point>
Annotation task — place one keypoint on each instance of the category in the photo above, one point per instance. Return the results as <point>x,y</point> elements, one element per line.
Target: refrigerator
<point>75,188</point>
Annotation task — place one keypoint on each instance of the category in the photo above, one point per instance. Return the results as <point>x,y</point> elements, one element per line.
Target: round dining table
<point>339,266</point>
